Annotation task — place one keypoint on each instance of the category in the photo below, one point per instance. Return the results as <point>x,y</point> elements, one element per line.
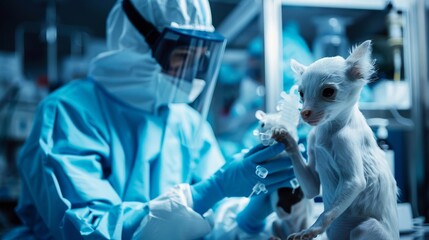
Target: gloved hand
<point>237,178</point>
<point>252,218</point>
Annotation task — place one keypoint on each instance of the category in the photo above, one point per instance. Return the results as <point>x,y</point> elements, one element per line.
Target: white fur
<point>359,190</point>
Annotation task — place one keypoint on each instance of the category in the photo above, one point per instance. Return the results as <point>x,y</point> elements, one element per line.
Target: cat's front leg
<point>306,174</point>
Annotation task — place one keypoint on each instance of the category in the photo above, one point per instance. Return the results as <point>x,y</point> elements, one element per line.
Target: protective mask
<point>182,91</point>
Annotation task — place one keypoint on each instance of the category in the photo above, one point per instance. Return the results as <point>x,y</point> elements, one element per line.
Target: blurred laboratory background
<point>46,43</point>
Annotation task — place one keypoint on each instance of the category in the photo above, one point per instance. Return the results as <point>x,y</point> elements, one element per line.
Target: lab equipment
<point>287,116</point>
<point>265,136</point>
<point>398,92</point>
<point>237,178</point>
<point>258,189</point>
<point>289,108</point>
<point>394,22</point>
<point>10,71</point>
<point>382,133</point>
<point>384,144</point>
<point>331,39</point>
<point>261,171</point>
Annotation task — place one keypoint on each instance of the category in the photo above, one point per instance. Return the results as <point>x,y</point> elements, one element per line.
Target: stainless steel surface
<point>272,30</point>
<point>416,59</point>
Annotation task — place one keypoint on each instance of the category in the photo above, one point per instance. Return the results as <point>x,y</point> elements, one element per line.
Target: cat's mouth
<point>315,120</point>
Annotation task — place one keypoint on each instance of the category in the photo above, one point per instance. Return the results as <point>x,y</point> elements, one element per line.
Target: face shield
<point>190,60</point>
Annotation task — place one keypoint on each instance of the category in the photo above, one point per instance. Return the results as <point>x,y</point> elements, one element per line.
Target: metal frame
<point>417,64</point>
<point>273,67</point>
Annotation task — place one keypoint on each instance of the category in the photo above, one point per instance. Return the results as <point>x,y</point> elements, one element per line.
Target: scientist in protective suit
<point>127,153</point>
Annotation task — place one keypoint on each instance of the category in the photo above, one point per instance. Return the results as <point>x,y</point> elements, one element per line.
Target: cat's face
<point>325,90</point>
<point>331,85</point>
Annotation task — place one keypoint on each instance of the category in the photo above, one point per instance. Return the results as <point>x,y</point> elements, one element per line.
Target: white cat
<point>359,190</point>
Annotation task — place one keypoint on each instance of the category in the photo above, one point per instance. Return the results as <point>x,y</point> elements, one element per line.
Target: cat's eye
<point>301,94</point>
<point>328,92</point>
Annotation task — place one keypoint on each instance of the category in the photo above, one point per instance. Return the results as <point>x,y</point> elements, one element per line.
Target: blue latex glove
<point>252,218</point>
<point>237,178</point>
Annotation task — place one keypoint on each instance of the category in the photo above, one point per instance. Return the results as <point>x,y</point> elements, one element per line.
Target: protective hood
<point>128,70</point>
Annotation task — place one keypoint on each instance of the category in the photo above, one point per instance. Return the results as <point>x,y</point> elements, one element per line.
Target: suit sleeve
<point>63,170</point>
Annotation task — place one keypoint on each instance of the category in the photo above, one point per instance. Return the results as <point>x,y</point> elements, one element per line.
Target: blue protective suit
<point>92,163</point>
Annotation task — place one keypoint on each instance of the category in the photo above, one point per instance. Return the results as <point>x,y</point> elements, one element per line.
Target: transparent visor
<point>190,61</point>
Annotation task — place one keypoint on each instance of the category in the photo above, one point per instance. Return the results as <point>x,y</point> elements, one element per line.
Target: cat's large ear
<point>359,64</point>
<point>297,67</point>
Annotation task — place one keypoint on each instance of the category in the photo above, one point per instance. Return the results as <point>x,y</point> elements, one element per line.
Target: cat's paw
<point>283,136</point>
<point>319,227</point>
<point>310,233</point>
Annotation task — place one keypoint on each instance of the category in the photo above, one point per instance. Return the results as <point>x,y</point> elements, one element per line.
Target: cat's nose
<point>305,114</point>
